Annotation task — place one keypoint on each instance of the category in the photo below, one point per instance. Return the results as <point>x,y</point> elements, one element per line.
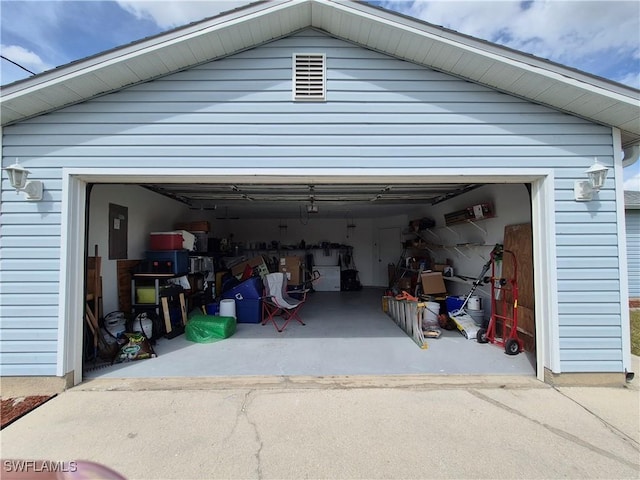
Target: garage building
<point>321,127</point>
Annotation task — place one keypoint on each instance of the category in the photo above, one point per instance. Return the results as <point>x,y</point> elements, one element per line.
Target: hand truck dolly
<point>504,307</point>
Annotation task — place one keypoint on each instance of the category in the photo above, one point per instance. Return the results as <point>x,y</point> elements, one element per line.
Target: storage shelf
<point>470,220</point>
<point>158,275</point>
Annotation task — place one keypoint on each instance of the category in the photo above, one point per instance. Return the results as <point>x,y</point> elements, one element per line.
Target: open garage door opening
<point>351,245</point>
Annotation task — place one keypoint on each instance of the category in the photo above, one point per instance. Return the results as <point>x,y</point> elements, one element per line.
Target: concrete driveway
<point>343,427</point>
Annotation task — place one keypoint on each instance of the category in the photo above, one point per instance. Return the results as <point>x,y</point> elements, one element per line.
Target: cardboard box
<point>433,283</point>
<point>256,263</point>
<point>292,269</point>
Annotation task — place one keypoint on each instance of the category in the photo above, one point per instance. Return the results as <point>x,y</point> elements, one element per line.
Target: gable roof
<point>504,69</point>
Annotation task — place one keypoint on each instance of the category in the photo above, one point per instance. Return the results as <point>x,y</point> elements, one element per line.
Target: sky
<point>599,37</point>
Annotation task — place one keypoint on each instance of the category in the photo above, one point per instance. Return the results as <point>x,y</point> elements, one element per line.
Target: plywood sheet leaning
<point>518,239</point>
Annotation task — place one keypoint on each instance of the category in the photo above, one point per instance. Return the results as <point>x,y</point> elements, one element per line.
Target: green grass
<point>635,331</point>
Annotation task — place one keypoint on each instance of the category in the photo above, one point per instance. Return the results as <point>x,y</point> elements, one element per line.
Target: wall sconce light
<point>597,174</point>
<point>18,179</point>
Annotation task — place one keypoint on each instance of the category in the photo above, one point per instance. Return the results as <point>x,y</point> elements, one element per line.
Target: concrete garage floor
<point>346,333</point>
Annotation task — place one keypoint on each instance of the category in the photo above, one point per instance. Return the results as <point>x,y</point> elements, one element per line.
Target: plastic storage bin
<point>165,241</point>
<point>251,288</point>
<point>249,310</point>
<point>213,308</point>
<point>145,295</point>
<point>174,240</point>
<point>454,303</point>
<point>178,258</point>
<point>248,296</point>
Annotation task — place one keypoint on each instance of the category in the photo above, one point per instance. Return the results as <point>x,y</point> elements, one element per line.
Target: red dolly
<point>501,288</point>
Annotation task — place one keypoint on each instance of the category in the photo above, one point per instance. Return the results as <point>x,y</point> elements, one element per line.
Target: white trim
<point>71,304</point>
<point>543,221</point>
<point>312,175</point>
<point>65,273</point>
<point>622,252</point>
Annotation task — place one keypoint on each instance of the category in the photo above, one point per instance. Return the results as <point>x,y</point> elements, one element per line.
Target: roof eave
<point>593,98</point>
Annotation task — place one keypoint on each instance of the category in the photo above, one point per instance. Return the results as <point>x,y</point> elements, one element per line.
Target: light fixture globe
<point>17,176</point>
<point>18,179</point>
<point>597,174</point>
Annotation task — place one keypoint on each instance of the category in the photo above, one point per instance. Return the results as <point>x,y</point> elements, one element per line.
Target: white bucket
<point>474,303</point>
<point>228,308</point>
<point>431,313</point>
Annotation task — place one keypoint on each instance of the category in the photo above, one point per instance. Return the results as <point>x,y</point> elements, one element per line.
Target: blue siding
<point>632,218</point>
<point>238,111</point>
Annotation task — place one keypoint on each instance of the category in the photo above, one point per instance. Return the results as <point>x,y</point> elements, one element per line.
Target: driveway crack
<point>243,411</point>
<point>556,431</point>
<point>612,428</point>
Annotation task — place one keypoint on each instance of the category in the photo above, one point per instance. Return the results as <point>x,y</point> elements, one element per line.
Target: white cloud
<point>29,23</point>
<point>170,14</point>
<point>20,55</point>
<point>632,177</point>
<point>583,34</point>
<point>633,183</point>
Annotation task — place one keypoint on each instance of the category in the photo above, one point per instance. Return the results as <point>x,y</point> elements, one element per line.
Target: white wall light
<point>18,179</point>
<point>597,174</point>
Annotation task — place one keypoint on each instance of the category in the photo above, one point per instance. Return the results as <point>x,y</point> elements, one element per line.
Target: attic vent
<point>309,76</point>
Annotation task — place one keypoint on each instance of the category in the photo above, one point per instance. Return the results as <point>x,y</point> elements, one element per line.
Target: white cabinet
<point>329,280</point>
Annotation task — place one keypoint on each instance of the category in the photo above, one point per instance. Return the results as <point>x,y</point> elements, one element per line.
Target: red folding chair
<point>277,301</point>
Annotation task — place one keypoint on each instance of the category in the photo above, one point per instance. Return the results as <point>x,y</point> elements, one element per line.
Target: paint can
<point>213,308</point>
<point>474,303</point>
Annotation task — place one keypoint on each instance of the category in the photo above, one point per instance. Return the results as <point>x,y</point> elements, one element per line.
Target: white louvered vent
<point>309,82</point>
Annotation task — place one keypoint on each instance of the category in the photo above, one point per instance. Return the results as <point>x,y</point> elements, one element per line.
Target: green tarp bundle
<point>209,328</point>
